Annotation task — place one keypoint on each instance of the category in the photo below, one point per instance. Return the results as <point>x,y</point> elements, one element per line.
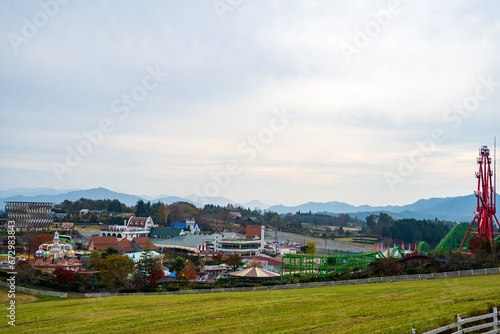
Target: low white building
<point>253,244</point>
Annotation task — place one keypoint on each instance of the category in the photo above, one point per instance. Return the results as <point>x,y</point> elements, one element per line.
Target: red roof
<point>103,243</point>
<point>125,246</point>
<point>270,261</point>
<point>145,243</point>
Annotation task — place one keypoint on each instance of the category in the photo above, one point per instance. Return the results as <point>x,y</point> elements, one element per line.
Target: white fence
<point>35,291</point>
<point>494,325</point>
<point>461,273</point>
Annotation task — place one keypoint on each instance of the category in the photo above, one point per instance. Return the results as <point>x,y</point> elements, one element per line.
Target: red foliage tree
<point>217,256</point>
<point>480,247</point>
<point>37,239</point>
<point>155,277</point>
<point>64,276</point>
<point>477,241</point>
<point>188,273</point>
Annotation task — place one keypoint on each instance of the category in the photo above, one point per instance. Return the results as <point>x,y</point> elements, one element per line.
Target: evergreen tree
<point>141,209</point>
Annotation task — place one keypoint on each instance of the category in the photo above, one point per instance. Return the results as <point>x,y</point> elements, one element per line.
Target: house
<point>253,220</point>
<point>282,250</point>
<point>235,214</point>
<point>84,212</point>
<point>189,226</point>
<point>141,223</point>
<point>135,227</point>
<point>60,216</point>
<point>98,212</point>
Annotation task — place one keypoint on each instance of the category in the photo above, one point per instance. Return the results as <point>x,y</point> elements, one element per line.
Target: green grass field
<point>369,308</point>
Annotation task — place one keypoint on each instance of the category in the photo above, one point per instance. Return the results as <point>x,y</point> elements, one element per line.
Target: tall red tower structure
<point>486,198</point>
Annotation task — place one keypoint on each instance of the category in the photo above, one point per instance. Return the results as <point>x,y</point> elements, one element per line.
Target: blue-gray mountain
<point>459,208</point>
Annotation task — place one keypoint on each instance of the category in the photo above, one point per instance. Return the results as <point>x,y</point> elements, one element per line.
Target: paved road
<point>85,236</point>
<point>320,243</point>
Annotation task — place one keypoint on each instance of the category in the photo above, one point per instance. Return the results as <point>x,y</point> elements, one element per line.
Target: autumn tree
<point>480,247</point>
<point>188,273</point>
<point>234,261</point>
<point>309,248</point>
<point>26,274</point>
<point>163,211</point>
<point>115,269</point>
<point>38,239</point>
<point>95,259</point>
<point>35,240</point>
<point>217,256</point>
<point>276,221</point>
<point>256,263</point>
<point>64,276</point>
<point>139,280</point>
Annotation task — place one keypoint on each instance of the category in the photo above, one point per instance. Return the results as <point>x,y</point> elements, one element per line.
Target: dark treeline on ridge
<point>214,218</point>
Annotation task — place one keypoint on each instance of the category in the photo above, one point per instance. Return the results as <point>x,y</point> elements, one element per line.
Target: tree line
<point>213,218</point>
<point>407,230</point>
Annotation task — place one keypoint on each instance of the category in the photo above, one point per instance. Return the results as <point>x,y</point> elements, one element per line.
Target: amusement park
<point>140,258</point>
<point>220,261</point>
<point>463,238</point>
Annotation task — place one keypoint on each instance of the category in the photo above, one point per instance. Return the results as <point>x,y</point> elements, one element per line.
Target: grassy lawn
<point>370,308</point>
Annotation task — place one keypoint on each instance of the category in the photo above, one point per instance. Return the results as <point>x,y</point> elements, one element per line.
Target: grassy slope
<point>372,308</point>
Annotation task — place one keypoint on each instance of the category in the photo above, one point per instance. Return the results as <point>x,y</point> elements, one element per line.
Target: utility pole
<point>326,249</point>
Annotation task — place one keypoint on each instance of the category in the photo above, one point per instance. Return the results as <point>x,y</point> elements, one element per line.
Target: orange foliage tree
<point>188,273</point>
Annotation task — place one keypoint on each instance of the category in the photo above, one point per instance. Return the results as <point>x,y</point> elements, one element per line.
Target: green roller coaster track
<point>454,238</point>
<point>322,265</point>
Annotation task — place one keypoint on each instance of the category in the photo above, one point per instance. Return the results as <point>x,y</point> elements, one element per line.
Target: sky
<point>379,102</point>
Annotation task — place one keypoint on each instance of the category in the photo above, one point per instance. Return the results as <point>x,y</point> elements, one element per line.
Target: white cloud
<point>354,121</point>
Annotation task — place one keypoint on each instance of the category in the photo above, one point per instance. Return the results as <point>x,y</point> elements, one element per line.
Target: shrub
<point>244,285</point>
<point>64,276</point>
<point>270,283</point>
<point>55,285</point>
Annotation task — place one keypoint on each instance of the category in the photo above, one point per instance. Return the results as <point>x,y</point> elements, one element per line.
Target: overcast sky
<point>365,102</point>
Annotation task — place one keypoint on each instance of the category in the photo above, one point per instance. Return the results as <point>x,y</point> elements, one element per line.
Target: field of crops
<point>370,308</point>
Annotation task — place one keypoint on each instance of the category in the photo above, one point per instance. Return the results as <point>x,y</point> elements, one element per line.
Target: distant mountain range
<point>459,208</point>
<point>58,196</point>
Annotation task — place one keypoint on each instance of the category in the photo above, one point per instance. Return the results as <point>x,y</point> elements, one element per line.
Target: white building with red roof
<point>135,227</point>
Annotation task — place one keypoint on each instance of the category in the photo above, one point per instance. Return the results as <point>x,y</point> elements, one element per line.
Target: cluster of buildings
<point>184,237</point>
<point>141,233</point>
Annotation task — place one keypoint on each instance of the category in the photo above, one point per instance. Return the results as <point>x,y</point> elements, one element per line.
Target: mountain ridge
<point>458,208</point>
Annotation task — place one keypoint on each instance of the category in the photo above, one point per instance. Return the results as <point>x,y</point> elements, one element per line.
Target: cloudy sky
<point>379,102</point>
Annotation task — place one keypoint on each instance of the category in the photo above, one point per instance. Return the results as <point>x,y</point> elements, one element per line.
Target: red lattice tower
<point>486,199</point>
